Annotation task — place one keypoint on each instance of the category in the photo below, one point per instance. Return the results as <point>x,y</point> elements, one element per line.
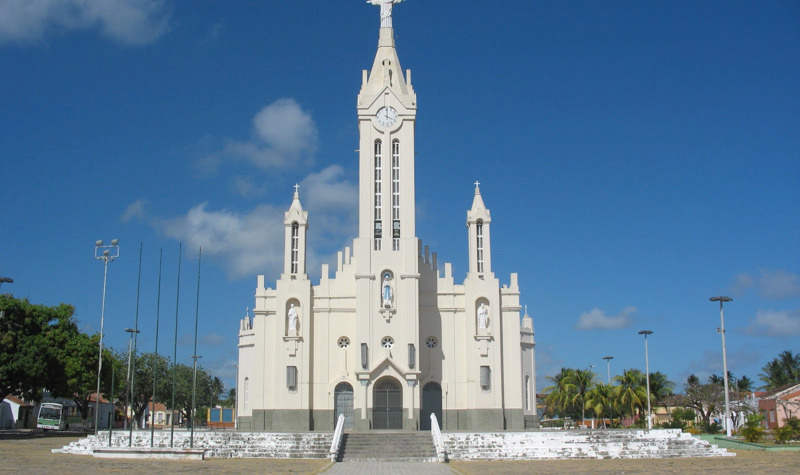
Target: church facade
<point>387,340</point>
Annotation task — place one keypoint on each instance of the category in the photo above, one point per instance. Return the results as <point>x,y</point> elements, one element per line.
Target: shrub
<point>709,428</point>
<point>789,431</point>
<point>752,430</point>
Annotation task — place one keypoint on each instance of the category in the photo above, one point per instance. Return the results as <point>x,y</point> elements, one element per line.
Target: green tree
<point>560,395</point>
<point>780,371</point>
<point>217,388</point>
<point>579,382</point>
<point>600,400</point>
<point>744,384</point>
<point>705,399</point>
<point>631,392</point>
<point>78,354</point>
<point>145,367</point>
<point>183,389</point>
<point>660,387</point>
<point>230,399</point>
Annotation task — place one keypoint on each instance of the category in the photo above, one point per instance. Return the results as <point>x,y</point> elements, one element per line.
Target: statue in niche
<point>386,292</point>
<point>292,318</point>
<point>483,317</point>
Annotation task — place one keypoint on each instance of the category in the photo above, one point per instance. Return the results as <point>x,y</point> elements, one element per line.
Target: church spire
<point>295,224</point>
<point>386,71</point>
<point>480,244</point>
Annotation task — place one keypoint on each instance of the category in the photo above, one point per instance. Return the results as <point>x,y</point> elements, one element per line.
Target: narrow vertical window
<point>378,227</point>
<point>527,393</point>
<point>246,393</point>
<point>295,247</point>
<point>396,195</point>
<point>479,244</point>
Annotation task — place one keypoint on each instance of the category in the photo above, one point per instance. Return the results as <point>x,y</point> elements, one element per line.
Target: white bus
<point>51,416</point>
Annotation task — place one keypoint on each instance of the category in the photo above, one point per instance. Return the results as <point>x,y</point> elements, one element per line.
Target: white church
<point>389,339</point>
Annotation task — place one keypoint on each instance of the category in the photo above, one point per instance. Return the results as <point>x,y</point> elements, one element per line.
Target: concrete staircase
<point>577,444</point>
<point>381,446</point>
<point>222,444</point>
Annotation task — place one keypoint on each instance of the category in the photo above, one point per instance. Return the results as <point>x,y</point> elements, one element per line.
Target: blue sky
<point>637,158</point>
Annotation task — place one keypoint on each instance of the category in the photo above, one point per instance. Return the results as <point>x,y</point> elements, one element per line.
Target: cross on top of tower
<point>296,188</point>
<point>477,187</point>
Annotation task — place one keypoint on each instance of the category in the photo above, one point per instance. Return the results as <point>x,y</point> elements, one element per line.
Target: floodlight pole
<point>608,367</point>
<point>102,252</point>
<point>721,330</point>
<point>647,374</point>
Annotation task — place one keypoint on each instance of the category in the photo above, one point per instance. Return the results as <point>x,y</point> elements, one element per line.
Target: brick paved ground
<point>29,452</point>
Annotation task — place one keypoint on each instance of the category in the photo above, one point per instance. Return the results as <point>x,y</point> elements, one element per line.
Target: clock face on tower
<point>386,116</point>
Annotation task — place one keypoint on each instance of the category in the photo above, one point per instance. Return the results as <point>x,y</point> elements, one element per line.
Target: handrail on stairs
<point>438,440</point>
<point>337,438</point>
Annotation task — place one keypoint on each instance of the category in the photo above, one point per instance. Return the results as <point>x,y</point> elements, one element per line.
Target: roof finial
<point>296,190</point>
<point>386,11</point>
<point>477,187</point>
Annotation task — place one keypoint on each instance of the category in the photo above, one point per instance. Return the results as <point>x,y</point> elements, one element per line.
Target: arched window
<point>295,247</point>
<point>378,194</point>
<point>479,244</point>
<point>396,195</point>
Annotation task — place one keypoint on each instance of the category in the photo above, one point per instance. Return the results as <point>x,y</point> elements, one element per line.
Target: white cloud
<point>284,135</point>
<point>597,319</point>
<point>772,284</point>
<point>775,323</point>
<point>247,188</point>
<point>249,243</point>
<point>132,22</point>
<point>135,210</point>
<point>779,284</point>
<point>245,244</point>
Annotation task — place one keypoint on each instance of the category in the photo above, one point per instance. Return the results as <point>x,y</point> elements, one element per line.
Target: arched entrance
<point>387,404</point>
<point>343,404</point>
<point>431,404</point>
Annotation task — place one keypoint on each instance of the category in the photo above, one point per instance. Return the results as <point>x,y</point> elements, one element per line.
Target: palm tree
<point>600,400</point>
<point>631,393</point>
<point>660,386</point>
<point>744,384</point>
<point>579,382</point>
<point>559,396</point>
<point>217,388</point>
<point>781,371</point>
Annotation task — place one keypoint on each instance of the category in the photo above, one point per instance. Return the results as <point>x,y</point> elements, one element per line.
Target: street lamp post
<point>128,387</point>
<point>721,330</point>
<point>647,373</point>
<point>102,253</point>
<point>608,367</point>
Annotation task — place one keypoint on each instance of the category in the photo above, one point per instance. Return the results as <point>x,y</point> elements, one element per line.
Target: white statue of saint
<point>386,11</point>
<point>292,318</point>
<point>387,292</point>
<point>483,317</point>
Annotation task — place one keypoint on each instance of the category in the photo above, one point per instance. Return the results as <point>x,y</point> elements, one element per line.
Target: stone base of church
<point>482,419</point>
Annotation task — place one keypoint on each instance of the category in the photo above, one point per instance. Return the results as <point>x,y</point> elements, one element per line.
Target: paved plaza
<point>29,452</point>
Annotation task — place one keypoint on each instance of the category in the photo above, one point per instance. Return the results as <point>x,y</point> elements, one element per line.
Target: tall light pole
<point>103,253</point>
<point>608,367</point>
<point>131,331</point>
<point>647,373</point>
<point>721,330</point>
